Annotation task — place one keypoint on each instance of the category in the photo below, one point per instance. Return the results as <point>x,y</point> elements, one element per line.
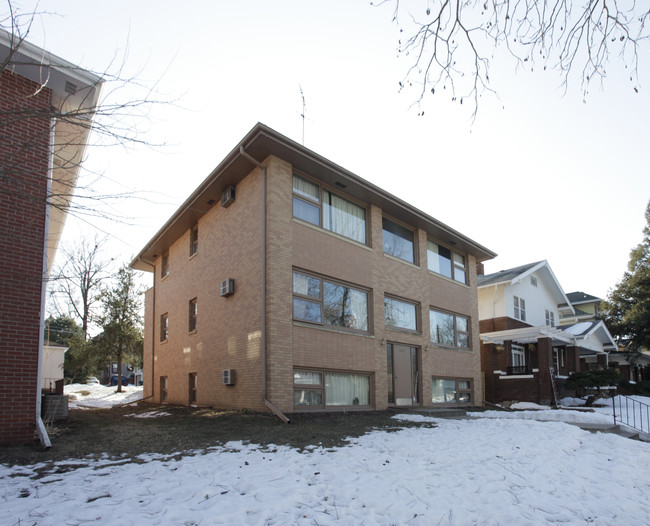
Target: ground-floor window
<point>327,389</point>
<point>451,391</point>
<point>163,388</point>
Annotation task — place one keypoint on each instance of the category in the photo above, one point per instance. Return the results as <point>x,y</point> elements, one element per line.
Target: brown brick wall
<point>23,191</point>
<point>229,329</point>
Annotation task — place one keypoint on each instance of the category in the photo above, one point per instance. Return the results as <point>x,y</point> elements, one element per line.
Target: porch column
<point>545,359</point>
<point>574,356</point>
<point>602,361</point>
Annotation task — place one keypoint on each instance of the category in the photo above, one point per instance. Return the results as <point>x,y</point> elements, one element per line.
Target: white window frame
<point>517,355</point>
<point>519,308</point>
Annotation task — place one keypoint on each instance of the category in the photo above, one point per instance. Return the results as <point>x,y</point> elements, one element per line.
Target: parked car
<point>114,380</point>
<point>92,380</point>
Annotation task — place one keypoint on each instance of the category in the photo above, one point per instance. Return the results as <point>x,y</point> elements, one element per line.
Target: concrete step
<point>434,412</point>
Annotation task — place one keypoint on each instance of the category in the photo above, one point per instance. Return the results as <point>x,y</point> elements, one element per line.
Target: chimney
<point>480,269</point>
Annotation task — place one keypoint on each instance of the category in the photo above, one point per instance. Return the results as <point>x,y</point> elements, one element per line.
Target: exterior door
<point>403,374</point>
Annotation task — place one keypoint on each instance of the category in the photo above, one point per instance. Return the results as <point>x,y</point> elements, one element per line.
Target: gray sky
<point>538,174</point>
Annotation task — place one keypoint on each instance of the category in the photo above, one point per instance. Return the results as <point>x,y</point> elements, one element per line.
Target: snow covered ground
<point>495,468</point>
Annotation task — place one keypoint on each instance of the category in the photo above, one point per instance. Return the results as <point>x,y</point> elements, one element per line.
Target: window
<point>163,389</point>
<point>400,314</point>
<point>194,240</point>
<point>558,358</point>
<point>520,308</point>
<point>533,281</point>
<point>449,329</point>
<point>321,388</point>
<point>451,390</point>
<point>192,315</point>
<point>164,327</point>
<point>518,356</point>
<point>398,241</point>
<point>550,317</point>
<point>192,386</point>
<point>114,368</point>
<point>164,265</point>
<point>443,261</point>
<point>318,300</point>
<point>328,211</point>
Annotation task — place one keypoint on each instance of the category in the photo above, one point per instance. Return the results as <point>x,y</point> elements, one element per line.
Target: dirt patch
<point>119,433</point>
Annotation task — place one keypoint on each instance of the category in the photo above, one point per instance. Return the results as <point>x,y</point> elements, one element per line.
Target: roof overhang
<point>75,95</point>
<point>260,143</point>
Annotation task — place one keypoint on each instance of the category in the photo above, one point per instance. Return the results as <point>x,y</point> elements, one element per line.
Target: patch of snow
<point>578,328</point>
<point>472,471</point>
<point>97,396</point>
<point>528,405</point>
<point>149,414</point>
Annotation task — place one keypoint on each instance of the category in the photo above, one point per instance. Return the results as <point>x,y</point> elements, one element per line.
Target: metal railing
<point>631,413</point>
<point>518,369</point>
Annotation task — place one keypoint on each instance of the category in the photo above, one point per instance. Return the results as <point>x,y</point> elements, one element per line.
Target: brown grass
<point>94,433</point>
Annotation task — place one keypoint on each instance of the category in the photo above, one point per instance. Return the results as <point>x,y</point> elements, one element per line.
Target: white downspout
<point>40,427</point>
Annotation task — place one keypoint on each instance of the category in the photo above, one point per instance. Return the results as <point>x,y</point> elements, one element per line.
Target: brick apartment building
<point>285,282</point>
<point>39,161</point>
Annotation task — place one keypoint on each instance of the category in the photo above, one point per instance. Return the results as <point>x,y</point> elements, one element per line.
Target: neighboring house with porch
<point>287,283</point>
<point>581,307</point>
<point>629,365</point>
<point>524,353</point>
<point>42,147</point>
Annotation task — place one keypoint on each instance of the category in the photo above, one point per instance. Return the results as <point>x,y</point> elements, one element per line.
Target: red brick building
<point>286,282</point>
<point>40,155</point>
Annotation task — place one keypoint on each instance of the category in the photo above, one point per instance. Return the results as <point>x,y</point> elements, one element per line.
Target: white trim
<point>516,376</point>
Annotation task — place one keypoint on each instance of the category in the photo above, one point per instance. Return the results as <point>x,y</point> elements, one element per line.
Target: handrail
<point>632,413</point>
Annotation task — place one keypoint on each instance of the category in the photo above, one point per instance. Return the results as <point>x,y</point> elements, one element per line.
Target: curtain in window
<point>343,217</point>
<point>439,259</point>
<point>347,389</point>
<point>305,188</point>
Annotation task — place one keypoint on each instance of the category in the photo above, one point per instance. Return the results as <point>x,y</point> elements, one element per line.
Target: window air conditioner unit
<point>227,287</point>
<point>228,196</point>
<point>228,377</point>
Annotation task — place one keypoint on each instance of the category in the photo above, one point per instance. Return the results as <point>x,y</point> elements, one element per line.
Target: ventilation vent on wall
<point>228,196</point>
<point>70,87</point>
<point>227,287</point>
<point>228,377</point>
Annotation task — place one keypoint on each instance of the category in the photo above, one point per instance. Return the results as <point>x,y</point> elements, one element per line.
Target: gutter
<point>267,402</point>
<point>153,328</point>
<point>40,426</point>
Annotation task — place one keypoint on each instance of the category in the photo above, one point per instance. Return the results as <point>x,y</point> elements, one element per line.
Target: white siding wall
<point>491,304</point>
<point>538,299</point>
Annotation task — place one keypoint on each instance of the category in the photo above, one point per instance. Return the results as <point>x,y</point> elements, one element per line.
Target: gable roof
<point>595,329</point>
<point>514,275</point>
<point>576,298</point>
<point>505,276</point>
<point>258,144</point>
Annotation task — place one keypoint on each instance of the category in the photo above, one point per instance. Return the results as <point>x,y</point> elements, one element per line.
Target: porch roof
<point>587,344</point>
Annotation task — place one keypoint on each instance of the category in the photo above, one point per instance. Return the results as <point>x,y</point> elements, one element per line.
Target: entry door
<point>403,374</point>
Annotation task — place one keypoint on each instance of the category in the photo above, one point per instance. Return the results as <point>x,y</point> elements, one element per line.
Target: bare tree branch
<point>450,42</point>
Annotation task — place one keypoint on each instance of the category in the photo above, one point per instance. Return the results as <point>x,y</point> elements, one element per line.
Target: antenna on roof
<point>302,114</point>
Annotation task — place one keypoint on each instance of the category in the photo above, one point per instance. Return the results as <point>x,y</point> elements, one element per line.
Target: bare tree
<point>450,42</point>
<point>105,108</point>
<point>76,283</point>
